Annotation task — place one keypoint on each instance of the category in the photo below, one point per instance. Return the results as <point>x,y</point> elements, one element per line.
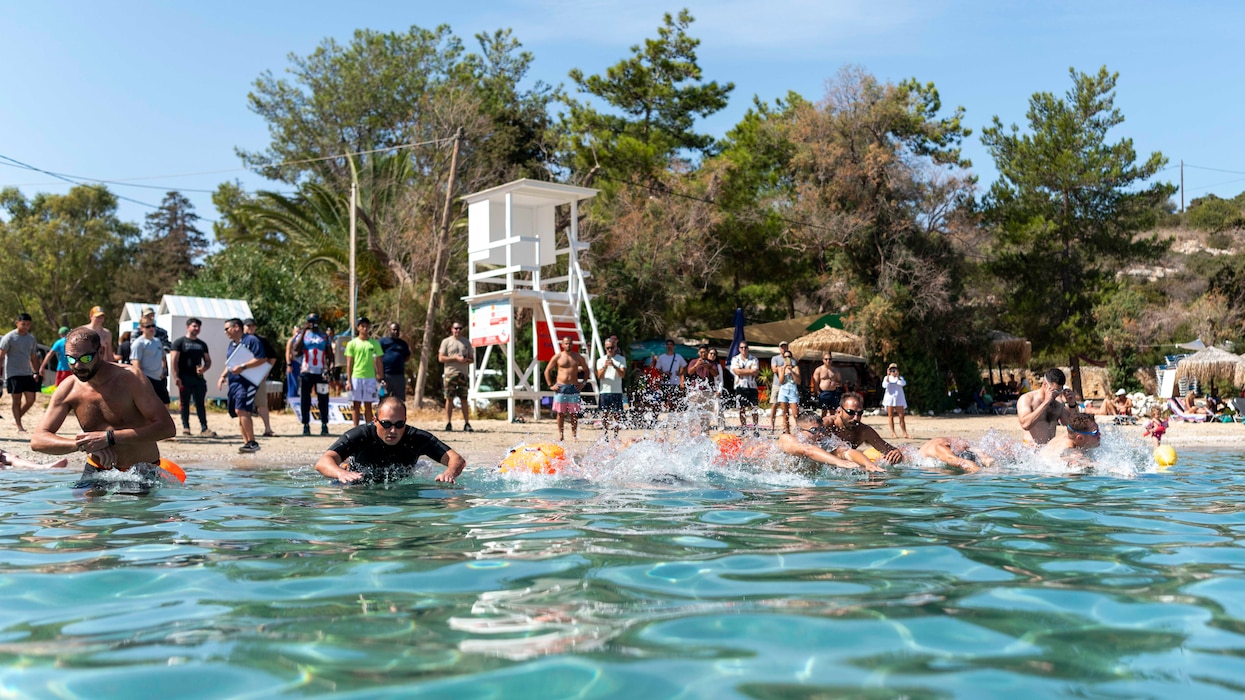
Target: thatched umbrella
<point>828,339</point>
<point>1009,348</point>
<point>1210,365</point>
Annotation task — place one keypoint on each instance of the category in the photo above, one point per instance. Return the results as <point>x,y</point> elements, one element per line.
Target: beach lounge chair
<point>1179,412</point>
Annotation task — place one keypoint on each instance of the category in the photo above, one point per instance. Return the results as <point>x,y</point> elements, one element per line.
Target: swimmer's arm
<point>45,439</point>
<point>946,456</point>
<point>889,452</point>
<point>1028,414</point>
<point>454,465</point>
<point>329,465</point>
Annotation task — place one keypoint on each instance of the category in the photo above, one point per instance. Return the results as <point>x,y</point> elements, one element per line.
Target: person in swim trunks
<point>122,419</point>
<point>386,450</point>
<point>566,402</point>
<point>829,385</point>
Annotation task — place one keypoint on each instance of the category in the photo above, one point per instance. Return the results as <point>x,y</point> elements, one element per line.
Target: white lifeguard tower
<point>514,263</point>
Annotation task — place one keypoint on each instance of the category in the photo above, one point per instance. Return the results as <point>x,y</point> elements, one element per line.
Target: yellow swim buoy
<point>540,458</point>
<point>1165,455</point>
<point>872,453</point>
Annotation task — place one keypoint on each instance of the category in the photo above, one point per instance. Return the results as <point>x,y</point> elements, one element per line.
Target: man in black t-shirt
<point>387,450</point>
<point>189,360</point>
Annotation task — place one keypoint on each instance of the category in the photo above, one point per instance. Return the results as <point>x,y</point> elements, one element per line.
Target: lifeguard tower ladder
<point>514,263</point>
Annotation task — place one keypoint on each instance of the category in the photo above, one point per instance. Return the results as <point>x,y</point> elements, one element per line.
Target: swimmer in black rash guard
<point>387,449</point>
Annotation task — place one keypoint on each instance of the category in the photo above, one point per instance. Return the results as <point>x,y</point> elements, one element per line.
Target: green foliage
<point>60,254</point>
<point>280,296</point>
<point>657,94</point>
<point>1068,211</point>
<point>166,254</point>
<point>233,225</point>
<point>1211,213</point>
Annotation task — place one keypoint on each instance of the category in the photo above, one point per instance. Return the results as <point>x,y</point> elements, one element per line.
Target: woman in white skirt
<point>893,398</point>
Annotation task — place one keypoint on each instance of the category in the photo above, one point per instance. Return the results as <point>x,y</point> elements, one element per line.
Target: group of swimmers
<point>122,421</point>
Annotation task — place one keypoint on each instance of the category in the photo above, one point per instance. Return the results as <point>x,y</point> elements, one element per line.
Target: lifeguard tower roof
<point>534,193</point>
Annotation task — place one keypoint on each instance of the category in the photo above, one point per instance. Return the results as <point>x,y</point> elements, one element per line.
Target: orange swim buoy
<point>172,468</point>
<point>729,446</point>
<point>539,458</point>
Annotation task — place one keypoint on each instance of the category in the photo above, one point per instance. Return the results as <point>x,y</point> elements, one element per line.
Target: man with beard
<point>845,425</point>
<point>120,414</point>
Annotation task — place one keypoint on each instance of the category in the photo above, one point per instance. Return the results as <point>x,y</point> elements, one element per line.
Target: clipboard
<point>241,356</point>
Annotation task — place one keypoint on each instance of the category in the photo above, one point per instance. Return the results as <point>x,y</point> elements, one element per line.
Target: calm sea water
<point>721,583</point>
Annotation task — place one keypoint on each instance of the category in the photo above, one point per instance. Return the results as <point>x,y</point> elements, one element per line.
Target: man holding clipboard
<point>245,368</point>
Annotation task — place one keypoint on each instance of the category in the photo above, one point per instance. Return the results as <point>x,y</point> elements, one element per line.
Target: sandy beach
<point>493,438</point>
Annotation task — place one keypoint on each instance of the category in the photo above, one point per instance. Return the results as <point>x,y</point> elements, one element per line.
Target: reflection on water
<point>758,580</point>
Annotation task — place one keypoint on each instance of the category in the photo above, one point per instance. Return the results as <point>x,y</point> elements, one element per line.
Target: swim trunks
<point>241,396</point>
<point>137,480</point>
<point>566,400</point>
<point>829,399</point>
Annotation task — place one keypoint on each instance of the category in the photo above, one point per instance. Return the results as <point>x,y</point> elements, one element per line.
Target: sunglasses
<point>1093,433</point>
<point>391,424</point>
<point>146,327</point>
<point>852,412</point>
<point>83,359</point>
<point>457,328</point>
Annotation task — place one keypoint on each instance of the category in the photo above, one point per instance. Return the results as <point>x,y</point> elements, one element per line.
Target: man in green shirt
<point>363,366</point>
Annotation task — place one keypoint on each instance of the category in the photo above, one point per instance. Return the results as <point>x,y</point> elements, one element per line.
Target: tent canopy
<point>778,331</point>
<point>1212,365</point>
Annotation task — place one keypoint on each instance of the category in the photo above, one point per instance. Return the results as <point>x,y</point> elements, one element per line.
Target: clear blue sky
<point>132,89</point>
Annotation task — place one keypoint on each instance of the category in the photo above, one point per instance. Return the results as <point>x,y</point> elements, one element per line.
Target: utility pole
<point>1182,185</point>
<point>354,282</point>
<point>438,271</point>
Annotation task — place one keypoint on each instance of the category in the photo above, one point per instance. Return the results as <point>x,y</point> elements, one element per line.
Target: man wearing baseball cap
<point>96,323</point>
<point>149,316</point>
<point>57,353</point>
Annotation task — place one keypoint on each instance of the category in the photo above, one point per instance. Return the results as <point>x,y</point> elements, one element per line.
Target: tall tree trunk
<point>438,271</point>
<point>1074,364</point>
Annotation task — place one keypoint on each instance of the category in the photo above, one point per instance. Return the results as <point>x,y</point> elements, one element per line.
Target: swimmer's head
<point>1055,377</point>
<point>391,421</point>
<point>82,349</point>
<point>808,420</point>
<point>1083,430</point>
<point>851,408</point>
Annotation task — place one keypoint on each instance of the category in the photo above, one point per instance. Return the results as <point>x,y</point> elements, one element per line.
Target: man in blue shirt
<point>58,352</point>
<point>396,353</point>
<point>242,390</point>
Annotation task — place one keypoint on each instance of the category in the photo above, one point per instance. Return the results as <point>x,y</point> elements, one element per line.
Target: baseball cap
<point>147,310</point>
<point>313,318</point>
<point>363,319</point>
<point>892,366</point>
<point>63,330</point>
<point>783,344</point>
<point>1121,392</point>
<point>248,321</point>
<point>97,311</point>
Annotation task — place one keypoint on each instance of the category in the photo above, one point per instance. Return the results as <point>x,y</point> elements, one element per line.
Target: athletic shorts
<point>748,398</point>
<point>566,400</point>
<point>610,402</point>
<point>455,386</point>
<point>62,375</point>
<point>137,480</point>
<point>829,399</point>
<point>162,389</point>
<point>23,384</point>
<point>364,390</point>
<point>241,397</point>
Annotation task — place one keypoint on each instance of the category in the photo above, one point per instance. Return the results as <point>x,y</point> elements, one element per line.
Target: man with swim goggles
<point>122,419</point>
<point>386,450</point>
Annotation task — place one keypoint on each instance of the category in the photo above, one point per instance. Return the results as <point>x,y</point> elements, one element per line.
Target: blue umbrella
<point>739,335</point>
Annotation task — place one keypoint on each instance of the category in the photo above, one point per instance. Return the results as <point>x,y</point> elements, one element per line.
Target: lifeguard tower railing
<point>515,264</point>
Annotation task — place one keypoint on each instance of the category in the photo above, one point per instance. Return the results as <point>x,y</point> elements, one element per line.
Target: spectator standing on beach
<point>147,359</point>
<point>745,368</point>
<point>456,358</point>
<point>829,384</point>
<point>270,356</point>
<point>363,366</point>
<point>567,365</point>
<point>787,379</point>
<point>611,368</point>
<point>673,369</point>
<point>315,350</point>
<point>242,391</point>
<point>699,384</point>
<point>893,398</point>
<point>123,349</point>
<point>293,365</point>
<point>19,351</point>
<point>149,316</point>
<point>396,354</point>
<point>57,354</point>
<point>96,324</point>
<point>718,387</point>
<point>190,360</point>
<point>775,363</point>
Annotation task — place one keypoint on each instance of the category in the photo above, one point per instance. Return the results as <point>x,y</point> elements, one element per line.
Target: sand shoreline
<point>493,438</point>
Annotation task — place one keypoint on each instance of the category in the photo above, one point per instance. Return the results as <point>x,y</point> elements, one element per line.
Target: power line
<point>1218,170</point>
<point>72,182</point>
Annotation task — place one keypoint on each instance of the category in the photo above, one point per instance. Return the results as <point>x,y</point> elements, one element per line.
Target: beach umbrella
<point>828,339</point>
<point>1210,365</point>
<point>739,335</point>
